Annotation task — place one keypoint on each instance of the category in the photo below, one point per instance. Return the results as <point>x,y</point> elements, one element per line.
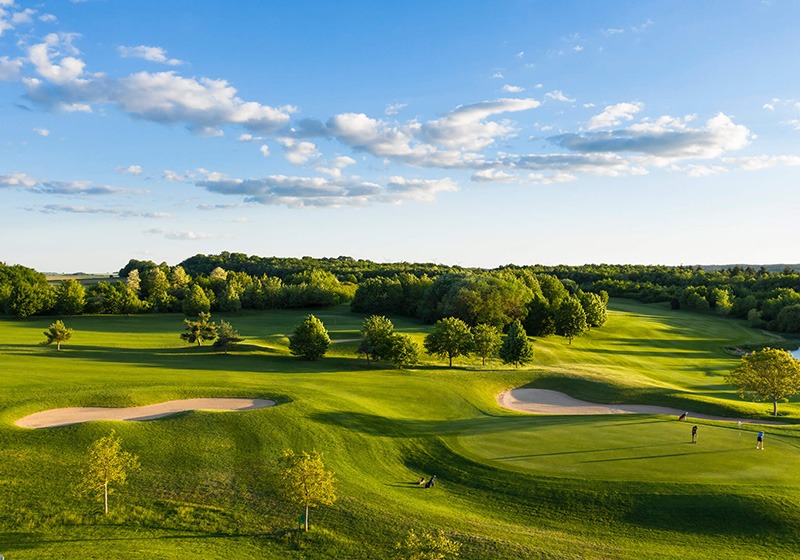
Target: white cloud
<point>394,108</point>
<point>173,176</point>
<point>130,170</point>
<point>301,192</point>
<point>264,149</point>
<point>614,115</point>
<point>520,54</point>
<point>665,139</point>
<point>466,127</point>
<point>48,18</point>
<point>577,48</point>
<point>498,75</point>
<point>153,54</point>
<point>25,16</point>
<point>250,138</point>
<point>335,168</point>
<point>513,89</point>
<point>493,176</point>
<point>10,69</point>
<point>755,163</point>
<point>180,235</point>
<point>298,152</point>
<point>68,70</point>
<point>558,95</point>
<point>613,31</point>
<point>42,131</point>
<point>204,104</point>
<point>17,180</point>
<point>768,106</point>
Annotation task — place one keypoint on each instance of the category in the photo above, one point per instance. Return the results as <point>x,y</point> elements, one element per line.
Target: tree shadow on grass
<point>203,358</point>
<point>374,425</point>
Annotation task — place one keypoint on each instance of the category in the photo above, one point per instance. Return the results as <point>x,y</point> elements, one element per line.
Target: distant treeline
<point>233,281</point>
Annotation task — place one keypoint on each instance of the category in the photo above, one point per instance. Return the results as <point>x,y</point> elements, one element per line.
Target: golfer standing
<point>694,434</point>
<point>760,441</point>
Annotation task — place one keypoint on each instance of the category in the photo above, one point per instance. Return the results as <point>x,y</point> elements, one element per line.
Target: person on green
<point>694,434</point>
<point>760,441</point>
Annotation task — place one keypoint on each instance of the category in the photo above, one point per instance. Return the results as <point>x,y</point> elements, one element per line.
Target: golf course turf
<point>509,484</point>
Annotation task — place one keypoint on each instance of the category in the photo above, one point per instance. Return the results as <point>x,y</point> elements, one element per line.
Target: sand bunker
<point>66,416</point>
<point>544,401</point>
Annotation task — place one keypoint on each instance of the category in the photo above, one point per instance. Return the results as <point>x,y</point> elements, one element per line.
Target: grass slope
<point>510,485</point>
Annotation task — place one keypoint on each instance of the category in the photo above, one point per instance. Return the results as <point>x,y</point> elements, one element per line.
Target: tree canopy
<point>449,338</point>
<point>305,481</point>
<point>57,333</point>
<point>516,348</point>
<point>201,329</point>
<point>107,464</point>
<point>310,340</point>
<point>768,374</point>
<point>486,340</point>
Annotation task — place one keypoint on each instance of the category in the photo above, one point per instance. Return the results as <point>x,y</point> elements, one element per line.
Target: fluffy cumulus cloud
<point>326,192</point>
<point>668,138</point>
<point>614,115</point>
<point>298,152</point>
<point>452,140</point>
<point>130,170</point>
<point>203,104</point>
<point>513,89</point>
<point>153,54</point>
<point>10,69</point>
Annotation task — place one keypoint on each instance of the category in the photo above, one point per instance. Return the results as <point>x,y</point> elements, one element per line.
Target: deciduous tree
<point>449,338</point>
<point>570,319</point>
<point>70,298</point>
<point>487,341</point>
<point>768,374</point>
<point>310,340</point>
<point>376,338</point>
<point>107,465</point>
<point>403,351</point>
<point>57,333</point>
<point>305,481</point>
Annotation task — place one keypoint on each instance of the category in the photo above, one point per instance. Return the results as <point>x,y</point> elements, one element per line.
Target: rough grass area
<point>509,485</point>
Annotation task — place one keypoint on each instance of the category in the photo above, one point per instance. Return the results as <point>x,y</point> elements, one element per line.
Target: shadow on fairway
<point>254,359</point>
<point>582,451</point>
<point>372,424</point>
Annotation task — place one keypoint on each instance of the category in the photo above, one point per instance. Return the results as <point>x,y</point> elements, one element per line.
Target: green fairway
<point>509,485</point>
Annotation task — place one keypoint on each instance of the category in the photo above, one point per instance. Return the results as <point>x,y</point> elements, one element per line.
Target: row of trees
<point>232,281</point>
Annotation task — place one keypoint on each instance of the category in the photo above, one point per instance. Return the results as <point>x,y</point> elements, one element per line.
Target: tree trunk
<point>105,498</point>
<point>774,407</point>
<point>58,345</point>
<point>306,519</point>
<point>451,360</point>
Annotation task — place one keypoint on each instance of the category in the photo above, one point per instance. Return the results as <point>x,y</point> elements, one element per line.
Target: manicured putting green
<point>636,448</point>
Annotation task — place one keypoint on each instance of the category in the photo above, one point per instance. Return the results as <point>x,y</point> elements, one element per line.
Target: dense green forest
<point>229,282</point>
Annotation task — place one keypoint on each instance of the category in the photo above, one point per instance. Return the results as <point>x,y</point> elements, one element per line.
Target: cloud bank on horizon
<point>121,125</point>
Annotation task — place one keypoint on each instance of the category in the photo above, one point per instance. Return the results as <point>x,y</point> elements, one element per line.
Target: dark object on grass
<point>431,482</point>
<point>683,416</point>
<point>694,434</point>
<point>421,481</point>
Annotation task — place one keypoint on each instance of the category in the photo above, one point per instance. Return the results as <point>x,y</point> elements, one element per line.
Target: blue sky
<point>472,133</point>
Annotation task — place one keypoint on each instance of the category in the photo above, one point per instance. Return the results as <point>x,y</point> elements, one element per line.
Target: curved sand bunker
<point>66,416</point>
<point>544,401</point>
